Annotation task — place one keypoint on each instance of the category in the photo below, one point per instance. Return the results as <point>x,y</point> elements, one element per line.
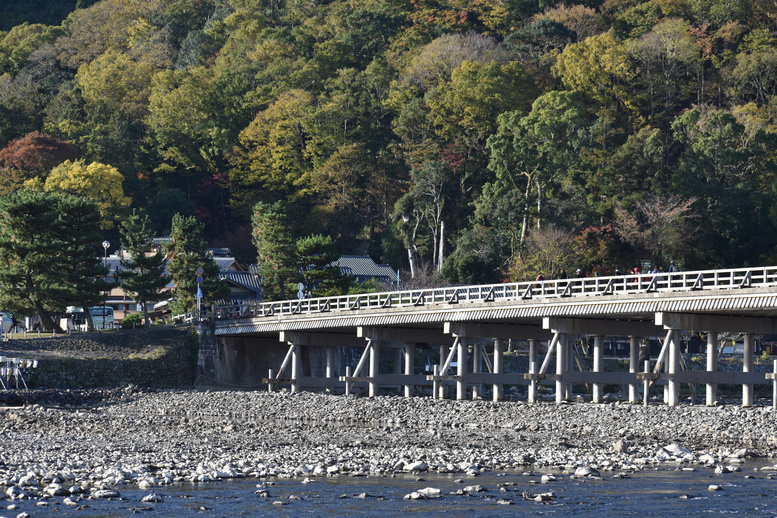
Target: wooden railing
<point>629,283</point>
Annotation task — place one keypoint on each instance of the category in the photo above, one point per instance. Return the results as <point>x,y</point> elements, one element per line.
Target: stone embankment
<point>76,443</point>
<point>163,357</point>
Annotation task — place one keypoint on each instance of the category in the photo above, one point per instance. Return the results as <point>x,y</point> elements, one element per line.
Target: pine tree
<point>314,255</point>
<point>276,263</point>
<point>49,256</point>
<point>187,251</point>
<point>143,273</point>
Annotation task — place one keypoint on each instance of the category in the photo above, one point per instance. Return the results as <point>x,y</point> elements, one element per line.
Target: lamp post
<point>106,244</point>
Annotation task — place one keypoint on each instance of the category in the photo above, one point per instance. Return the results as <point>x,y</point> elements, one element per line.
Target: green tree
<point>275,250</point>
<point>143,272</point>
<point>48,253</point>
<point>187,252</point>
<point>314,255</point>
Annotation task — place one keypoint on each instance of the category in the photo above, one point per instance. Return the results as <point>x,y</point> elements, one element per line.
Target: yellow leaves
<point>98,182</point>
<point>600,66</point>
<point>114,81</point>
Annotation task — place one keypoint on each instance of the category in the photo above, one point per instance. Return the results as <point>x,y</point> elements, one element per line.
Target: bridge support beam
<point>596,394</point>
<point>562,364</point>
<point>409,367</point>
<point>634,368</point>
<point>747,366</point>
<point>461,370</point>
<point>476,368</point>
<point>712,366</point>
<point>374,367</point>
<point>497,392</point>
<point>533,370</point>
<point>672,367</point>
<point>441,388</point>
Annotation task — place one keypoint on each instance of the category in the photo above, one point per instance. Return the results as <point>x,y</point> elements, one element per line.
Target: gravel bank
<point>78,442</point>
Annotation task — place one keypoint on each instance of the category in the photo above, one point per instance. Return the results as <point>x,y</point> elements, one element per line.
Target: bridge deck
<point>554,312</point>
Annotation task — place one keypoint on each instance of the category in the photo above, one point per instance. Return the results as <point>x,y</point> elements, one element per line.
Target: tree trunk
<point>539,202</point>
<point>146,323</point>
<point>442,246</point>
<point>88,316</point>
<point>46,322</point>
<point>411,259</point>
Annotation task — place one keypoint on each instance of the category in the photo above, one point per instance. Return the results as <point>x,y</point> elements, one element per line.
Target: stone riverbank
<point>77,445</point>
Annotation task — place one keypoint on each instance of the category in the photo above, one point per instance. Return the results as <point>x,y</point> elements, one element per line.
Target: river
<point>654,492</point>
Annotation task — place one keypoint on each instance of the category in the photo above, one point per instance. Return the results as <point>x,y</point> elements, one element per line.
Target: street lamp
<point>106,244</point>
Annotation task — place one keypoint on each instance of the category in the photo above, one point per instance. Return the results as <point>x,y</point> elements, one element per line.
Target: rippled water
<point>648,493</point>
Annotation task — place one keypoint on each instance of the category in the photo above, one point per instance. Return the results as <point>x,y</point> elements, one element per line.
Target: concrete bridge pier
<point>747,366</point>
<point>596,393</point>
<point>477,363</point>
<point>374,368</point>
<point>672,368</point>
<point>461,369</point>
<point>445,349</point>
<point>533,365</point>
<point>497,390</point>
<point>562,364</point>
<point>634,368</point>
<point>712,366</point>
<point>409,357</point>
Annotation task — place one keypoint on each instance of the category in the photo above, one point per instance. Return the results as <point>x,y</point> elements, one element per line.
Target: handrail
<point>629,283</point>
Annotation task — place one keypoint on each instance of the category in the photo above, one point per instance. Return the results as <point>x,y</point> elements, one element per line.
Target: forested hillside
<point>491,139</point>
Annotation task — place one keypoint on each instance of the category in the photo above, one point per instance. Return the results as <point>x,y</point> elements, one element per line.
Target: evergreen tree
<point>314,255</point>
<point>79,226</point>
<point>143,273</point>
<point>188,251</point>
<point>276,263</point>
<point>48,259</point>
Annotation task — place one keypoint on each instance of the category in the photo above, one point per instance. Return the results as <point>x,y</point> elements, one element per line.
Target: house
<point>243,284</point>
<point>363,268</point>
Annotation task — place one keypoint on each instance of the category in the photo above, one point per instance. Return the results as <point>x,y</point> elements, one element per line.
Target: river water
<point>660,492</point>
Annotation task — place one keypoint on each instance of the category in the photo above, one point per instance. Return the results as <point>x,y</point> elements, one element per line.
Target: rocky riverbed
<point>90,444</point>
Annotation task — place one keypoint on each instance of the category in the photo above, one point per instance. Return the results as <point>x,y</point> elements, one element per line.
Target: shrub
<point>132,318</point>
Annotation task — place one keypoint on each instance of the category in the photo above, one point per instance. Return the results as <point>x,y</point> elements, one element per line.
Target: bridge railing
<point>629,283</point>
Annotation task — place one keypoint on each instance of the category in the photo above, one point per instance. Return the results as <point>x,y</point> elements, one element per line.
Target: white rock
<point>548,478</point>
<point>714,487</point>
<point>416,466</point>
<point>586,471</point>
<point>105,493</point>
<point>430,492</point>
<point>153,497</point>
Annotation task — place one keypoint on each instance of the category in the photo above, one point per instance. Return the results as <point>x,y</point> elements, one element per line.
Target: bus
<point>74,318</point>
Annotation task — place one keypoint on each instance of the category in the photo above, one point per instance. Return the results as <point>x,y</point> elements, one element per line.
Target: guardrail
<point>629,283</point>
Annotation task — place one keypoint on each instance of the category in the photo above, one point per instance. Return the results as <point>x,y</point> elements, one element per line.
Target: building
<point>243,283</point>
<point>363,268</point>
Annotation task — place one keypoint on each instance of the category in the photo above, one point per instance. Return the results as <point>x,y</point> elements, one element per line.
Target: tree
<point>98,182</point>
<point>657,224</point>
<point>529,153</point>
<point>547,251</point>
<point>314,255</point>
<point>275,250</point>
<point>143,273</point>
<point>29,156</point>
<point>187,251</point>
<point>48,254</point>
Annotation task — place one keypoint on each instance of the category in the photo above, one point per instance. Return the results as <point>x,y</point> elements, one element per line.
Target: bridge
<point>302,343</point>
